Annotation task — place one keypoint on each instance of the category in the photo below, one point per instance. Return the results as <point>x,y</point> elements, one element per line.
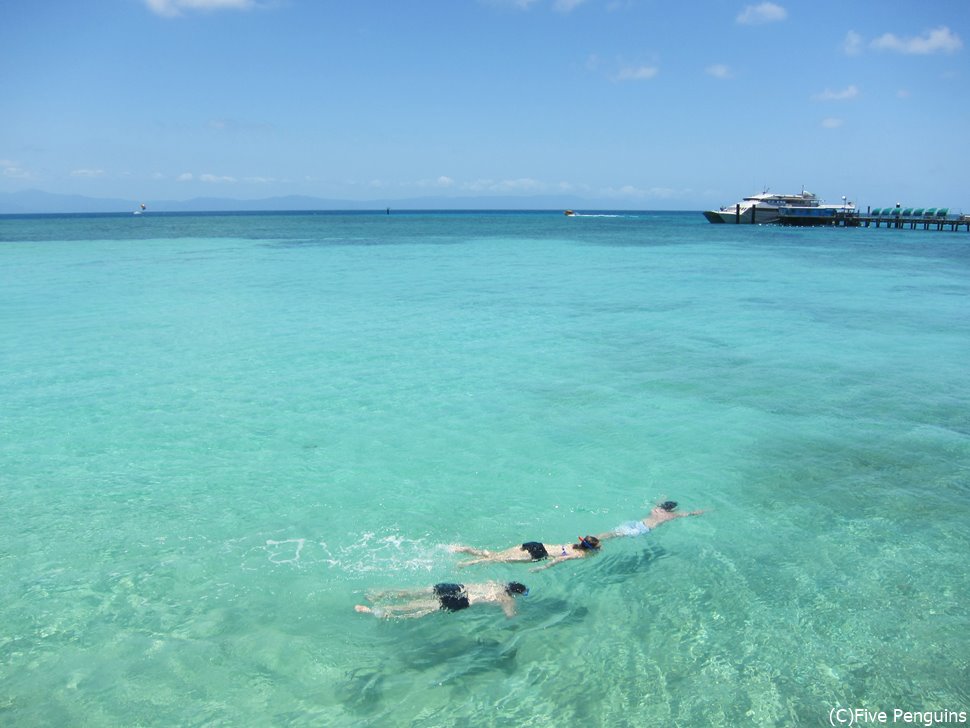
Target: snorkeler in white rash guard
<point>659,515</point>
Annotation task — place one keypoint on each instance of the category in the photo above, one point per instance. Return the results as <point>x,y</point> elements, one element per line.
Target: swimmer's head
<point>514,587</point>
<point>588,543</point>
<point>668,505</point>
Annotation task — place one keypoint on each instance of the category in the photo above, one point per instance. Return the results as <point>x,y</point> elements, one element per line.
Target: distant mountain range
<point>38,202</point>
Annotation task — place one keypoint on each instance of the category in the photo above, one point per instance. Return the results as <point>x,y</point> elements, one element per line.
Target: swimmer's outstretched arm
<point>555,560</point>
<point>508,606</point>
<point>608,534</point>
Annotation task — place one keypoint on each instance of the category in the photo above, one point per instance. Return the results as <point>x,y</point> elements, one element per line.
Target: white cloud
<point>852,45</point>
<point>637,73</point>
<point>522,184</point>
<point>902,93</point>
<point>479,185</point>
<point>639,193</point>
<point>232,126</point>
<point>496,186</point>
<point>719,70</point>
<point>87,173</point>
<point>174,8</point>
<point>185,177</point>
<point>518,4</point>
<point>828,95</point>
<point>759,14</point>
<point>13,170</point>
<point>442,182</point>
<point>214,178</point>
<point>565,6</point>
<point>940,40</point>
<point>831,123</point>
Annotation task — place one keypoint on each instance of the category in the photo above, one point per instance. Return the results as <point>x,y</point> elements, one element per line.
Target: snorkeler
<point>659,515</point>
<point>533,551</point>
<point>445,597</point>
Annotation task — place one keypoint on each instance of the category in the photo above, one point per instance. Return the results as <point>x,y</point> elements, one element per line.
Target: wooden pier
<point>890,218</point>
<point>952,224</point>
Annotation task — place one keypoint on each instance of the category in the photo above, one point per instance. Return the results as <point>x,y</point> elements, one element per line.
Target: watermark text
<point>866,716</point>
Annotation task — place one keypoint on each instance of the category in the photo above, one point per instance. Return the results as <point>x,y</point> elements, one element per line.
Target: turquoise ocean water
<point>218,432</point>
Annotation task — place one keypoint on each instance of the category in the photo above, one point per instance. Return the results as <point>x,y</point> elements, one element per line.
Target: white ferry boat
<point>761,208</point>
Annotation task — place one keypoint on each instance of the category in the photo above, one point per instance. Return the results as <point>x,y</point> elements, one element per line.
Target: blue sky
<point>642,104</point>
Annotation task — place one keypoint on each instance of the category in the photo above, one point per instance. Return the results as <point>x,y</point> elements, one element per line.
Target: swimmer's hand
<point>550,563</point>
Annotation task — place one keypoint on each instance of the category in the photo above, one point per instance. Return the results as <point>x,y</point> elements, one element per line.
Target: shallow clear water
<point>218,432</point>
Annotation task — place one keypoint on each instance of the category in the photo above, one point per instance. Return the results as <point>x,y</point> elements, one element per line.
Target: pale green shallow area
<point>219,431</point>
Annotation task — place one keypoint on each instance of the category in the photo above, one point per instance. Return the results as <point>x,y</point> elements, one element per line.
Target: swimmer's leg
<point>462,564</point>
<point>415,610</point>
<point>411,610</point>
<point>459,549</point>
<point>376,594</point>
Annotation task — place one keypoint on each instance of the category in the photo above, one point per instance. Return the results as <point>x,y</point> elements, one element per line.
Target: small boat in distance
<point>569,213</point>
<point>763,208</point>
